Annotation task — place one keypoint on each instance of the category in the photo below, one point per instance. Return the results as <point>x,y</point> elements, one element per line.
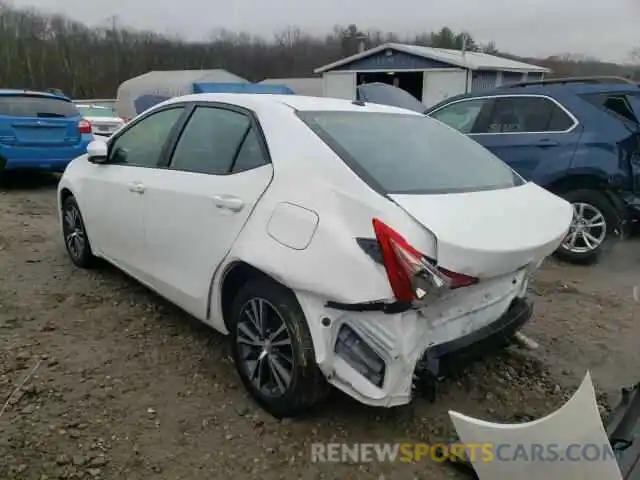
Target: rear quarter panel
<point>308,174</point>
<point>601,151</point>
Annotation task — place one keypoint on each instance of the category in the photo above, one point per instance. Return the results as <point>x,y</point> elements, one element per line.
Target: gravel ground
<point>128,387</point>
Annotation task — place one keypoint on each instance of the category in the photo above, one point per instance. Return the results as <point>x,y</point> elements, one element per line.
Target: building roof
<point>469,60</point>
<point>180,77</point>
<point>301,86</point>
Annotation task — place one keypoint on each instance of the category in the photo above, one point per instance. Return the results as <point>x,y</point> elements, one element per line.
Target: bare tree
<point>52,51</point>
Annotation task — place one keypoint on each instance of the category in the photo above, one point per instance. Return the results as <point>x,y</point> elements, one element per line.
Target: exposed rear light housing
<point>84,126</point>
<point>412,275</point>
<point>354,350</point>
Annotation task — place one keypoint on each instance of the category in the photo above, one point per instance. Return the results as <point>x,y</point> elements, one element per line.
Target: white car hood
<point>488,233</point>
<point>567,431</point>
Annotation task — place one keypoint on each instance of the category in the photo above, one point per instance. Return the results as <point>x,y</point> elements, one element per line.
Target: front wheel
<point>273,351</point>
<point>595,221</point>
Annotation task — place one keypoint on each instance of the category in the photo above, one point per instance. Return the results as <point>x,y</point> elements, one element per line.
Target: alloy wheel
<point>588,229</point>
<point>265,348</point>
<point>74,234</point>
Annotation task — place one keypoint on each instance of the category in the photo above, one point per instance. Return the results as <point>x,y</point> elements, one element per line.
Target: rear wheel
<point>273,351</point>
<point>74,231</point>
<point>595,221</point>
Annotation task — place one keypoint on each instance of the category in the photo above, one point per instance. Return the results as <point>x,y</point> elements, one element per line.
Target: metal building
<point>429,74</point>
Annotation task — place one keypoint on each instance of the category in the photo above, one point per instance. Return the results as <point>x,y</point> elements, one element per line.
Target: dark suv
<point>578,137</point>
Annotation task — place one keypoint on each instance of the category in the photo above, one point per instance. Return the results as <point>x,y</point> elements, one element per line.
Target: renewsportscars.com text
<point>486,452</point>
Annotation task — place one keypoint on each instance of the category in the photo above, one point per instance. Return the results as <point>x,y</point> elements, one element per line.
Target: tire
<point>597,207</point>
<point>306,386</point>
<point>76,240</point>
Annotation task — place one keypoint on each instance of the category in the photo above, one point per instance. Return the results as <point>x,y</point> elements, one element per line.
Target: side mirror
<point>97,151</point>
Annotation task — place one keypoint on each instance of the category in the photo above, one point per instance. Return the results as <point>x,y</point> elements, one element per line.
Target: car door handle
<point>137,187</point>
<point>228,202</point>
<point>547,142</point>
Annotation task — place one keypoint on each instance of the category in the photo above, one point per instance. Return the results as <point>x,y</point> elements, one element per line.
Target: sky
<point>608,30</point>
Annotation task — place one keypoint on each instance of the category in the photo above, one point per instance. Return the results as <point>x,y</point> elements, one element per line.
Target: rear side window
<point>402,153</point>
<point>525,115</point>
<point>36,106</point>
<point>251,155</point>
<point>620,105</point>
<point>213,140</point>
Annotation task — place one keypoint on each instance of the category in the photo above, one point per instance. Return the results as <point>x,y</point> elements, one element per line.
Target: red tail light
<point>125,119</point>
<point>458,279</point>
<point>85,126</point>
<point>411,275</point>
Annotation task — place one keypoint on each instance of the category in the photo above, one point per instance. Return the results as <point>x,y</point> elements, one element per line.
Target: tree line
<point>40,51</point>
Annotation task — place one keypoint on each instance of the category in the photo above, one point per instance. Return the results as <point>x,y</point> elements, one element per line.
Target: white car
<point>103,119</point>
<point>335,242</point>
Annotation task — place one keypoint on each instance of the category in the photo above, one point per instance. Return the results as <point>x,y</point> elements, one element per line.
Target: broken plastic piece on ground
<point>623,428</point>
<point>576,425</point>
<point>525,341</point>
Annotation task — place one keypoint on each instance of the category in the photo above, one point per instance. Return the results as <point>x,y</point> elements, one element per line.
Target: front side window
<point>141,144</point>
<point>210,141</point>
<point>461,115</point>
<point>525,115</point>
<point>404,153</point>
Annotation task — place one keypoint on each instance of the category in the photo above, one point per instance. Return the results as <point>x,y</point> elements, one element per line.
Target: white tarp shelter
<point>171,83</point>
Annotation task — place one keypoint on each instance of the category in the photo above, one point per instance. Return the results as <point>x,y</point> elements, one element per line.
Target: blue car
<point>40,131</point>
<point>577,137</point>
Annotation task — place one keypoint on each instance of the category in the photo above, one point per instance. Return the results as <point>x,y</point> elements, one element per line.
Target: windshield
<point>405,153</point>
<point>96,111</point>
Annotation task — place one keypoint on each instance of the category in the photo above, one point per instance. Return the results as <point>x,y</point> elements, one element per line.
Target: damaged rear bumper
<point>380,358</point>
<point>441,360</point>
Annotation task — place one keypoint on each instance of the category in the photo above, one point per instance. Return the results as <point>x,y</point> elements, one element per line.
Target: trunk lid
<point>105,125</point>
<point>490,233</point>
<point>49,132</point>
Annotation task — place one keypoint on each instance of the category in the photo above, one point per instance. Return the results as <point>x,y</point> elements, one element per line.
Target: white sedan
<point>336,242</point>
<point>103,119</point>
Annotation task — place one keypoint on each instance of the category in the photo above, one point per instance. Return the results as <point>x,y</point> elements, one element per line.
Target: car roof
<point>296,102</point>
<point>31,93</point>
<point>551,90</point>
<point>577,88</point>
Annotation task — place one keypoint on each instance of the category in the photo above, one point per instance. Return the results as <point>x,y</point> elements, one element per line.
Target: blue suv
<point>577,137</point>
<point>40,131</point>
